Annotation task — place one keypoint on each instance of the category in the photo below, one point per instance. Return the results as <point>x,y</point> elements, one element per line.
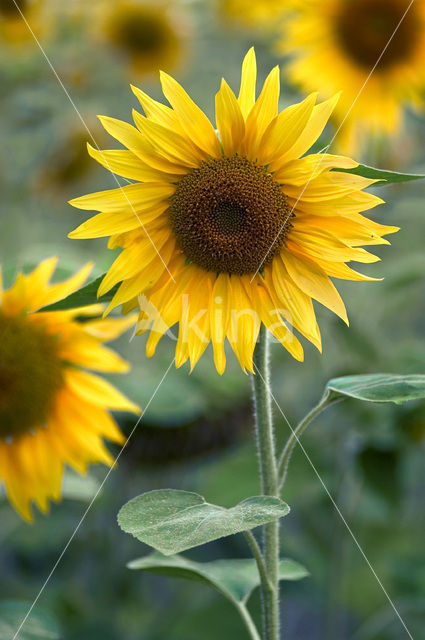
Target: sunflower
<point>52,411</point>
<point>335,44</point>
<point>223,230</point>
<point>146,34</point>
<point>13,29</point>
<point>261,14</point>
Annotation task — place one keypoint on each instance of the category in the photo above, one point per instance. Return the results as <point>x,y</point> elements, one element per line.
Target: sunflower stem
<point>285,456</point>
<point>269,483</point>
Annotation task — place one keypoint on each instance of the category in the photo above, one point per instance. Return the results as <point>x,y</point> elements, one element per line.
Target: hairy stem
<point>248,621</point>
<point>269,482</point>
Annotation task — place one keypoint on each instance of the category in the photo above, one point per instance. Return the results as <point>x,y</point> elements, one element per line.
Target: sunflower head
<point>9,8</point>
<point>13,29</point>
<point>224,229</point>
<point>372,50</point>
<point>145,33</point>
<point>373,29</point>
<point>30,375</point>
<point>258,15</point>
<point>52,411</point>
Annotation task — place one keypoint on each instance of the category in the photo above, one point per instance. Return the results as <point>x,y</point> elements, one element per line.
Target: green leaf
<point>379,387</point>
<point>83,297</point>
<point>235,579</point>
<point>172,521</point>
<point>39,625</point>
<point>389,177</point>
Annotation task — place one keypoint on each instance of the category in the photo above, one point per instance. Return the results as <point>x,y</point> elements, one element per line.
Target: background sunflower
<point>147,35</point>
<point>52,411</point>
<point>335,44</point>
<point>14,31</point>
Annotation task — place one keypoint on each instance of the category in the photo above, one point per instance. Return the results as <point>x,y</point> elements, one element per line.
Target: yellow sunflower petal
<point>144,280</point>
<point>221,297</point>
<point>317,242</point>
<point>62,289</point>
<point>198,322</point>
<point>272,319</point>
<point>134,259</point>
<point>311,279</point>
<point>92,355</point>
<point>105,224</point>
<point>262,113</point>
<point>230,122</point>
<point>313,129</point>
<point>191,117</point>
<point>126,164</point>
<point>246,96</point>
<point>157,111</point>
<point>295,305</point>
<point>106,329</point>
<point>244,323</point>
<point>97,391</point>
<point>283,132</point>
<point>173,146</point>
<point>135,197</point>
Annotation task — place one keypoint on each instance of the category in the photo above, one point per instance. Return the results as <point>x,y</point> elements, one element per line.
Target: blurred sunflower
<point>261,14</point>
<point>145,33</point>
<point>13,29</point>
<point>336,43</point>
<point>238,227</point>
<point>52,411</point>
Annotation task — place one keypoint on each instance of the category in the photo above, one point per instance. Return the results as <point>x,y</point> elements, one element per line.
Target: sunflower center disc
<point>230,216</point>
<point>8,8</point>
<point>365,28</point>
<point>30,375</point>
<point>139,31</point>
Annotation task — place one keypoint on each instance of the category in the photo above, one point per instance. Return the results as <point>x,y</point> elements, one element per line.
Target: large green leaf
<point>83,297</point>
<point>388,177</point>
<point>38,626</point>
<point>235,579</point>
<point>172,521</point>
<point>379,387</point>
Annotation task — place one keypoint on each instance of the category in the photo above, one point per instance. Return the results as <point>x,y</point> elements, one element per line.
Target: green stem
<point>249,623</point>
<point>256,552</point>
<point>295,436</point>
<point>269,482</point>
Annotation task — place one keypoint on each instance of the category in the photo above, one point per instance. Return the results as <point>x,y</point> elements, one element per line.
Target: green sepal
<point>387,177</point>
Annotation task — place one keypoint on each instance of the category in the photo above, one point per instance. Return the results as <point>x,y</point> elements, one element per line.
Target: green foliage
<point>39,625</point>
<point>234,579</point>
<point>172,521</point>
<point>379,387</point>
<point>387,177</point>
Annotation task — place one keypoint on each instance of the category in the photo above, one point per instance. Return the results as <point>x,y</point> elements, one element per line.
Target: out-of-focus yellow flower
<point>13,29</point>
<point>335,44</point>
<point>69,163</point>
<point>52,411</point>
<point>226,229</point>
<point>257,14</point>
<point>147,34</point>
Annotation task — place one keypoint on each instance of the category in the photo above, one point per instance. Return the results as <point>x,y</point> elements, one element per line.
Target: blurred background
<point>197,432</point>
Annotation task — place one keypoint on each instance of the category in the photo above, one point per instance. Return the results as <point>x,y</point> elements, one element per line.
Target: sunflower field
<point>212,320</point>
